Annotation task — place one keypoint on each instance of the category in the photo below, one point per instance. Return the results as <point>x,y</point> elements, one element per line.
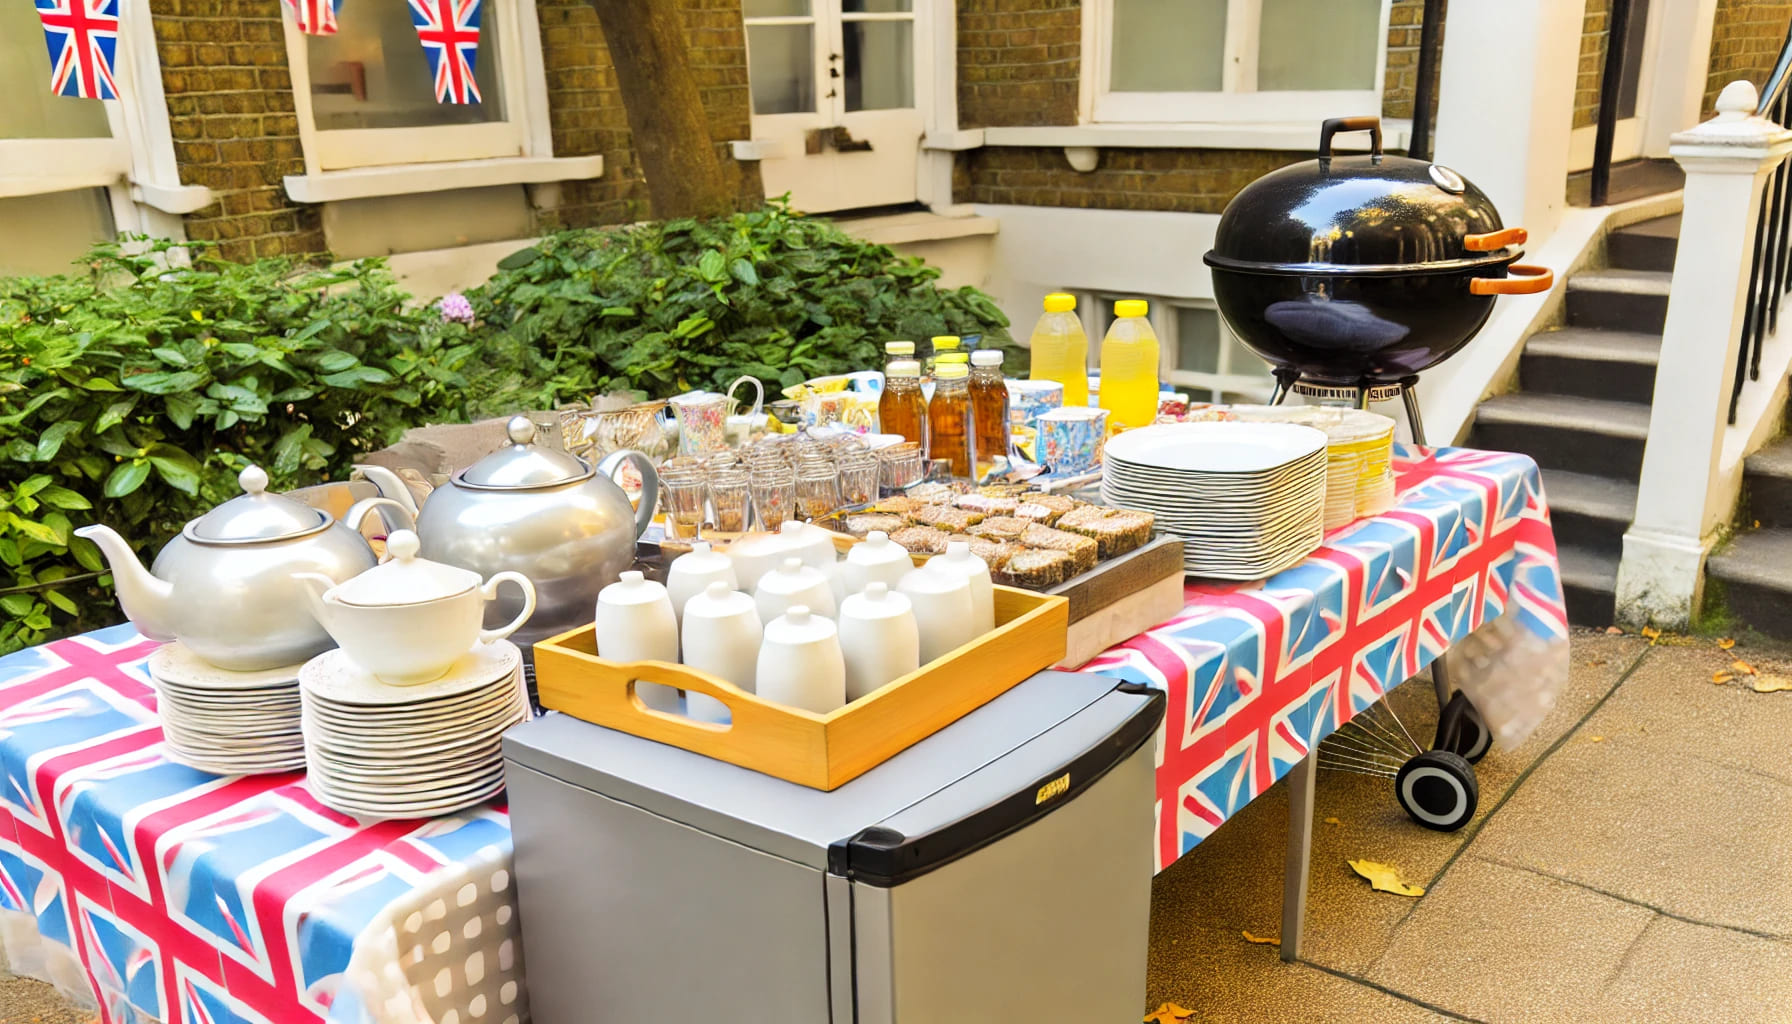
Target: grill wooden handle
<point>1525,279</point>
<point>1493,240</point>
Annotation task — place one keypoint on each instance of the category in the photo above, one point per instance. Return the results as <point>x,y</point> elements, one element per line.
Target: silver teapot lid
<point>255,515</point>
<point>523,466</point>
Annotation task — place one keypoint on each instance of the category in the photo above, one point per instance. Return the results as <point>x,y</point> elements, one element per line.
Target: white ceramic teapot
<point>409,620</point>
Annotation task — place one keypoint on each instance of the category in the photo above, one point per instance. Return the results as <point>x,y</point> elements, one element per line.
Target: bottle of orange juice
<point>1129,368</point>
<point>1061,348</point>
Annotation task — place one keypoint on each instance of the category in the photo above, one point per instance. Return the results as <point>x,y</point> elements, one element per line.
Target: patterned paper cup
<point>1028,399</point>
<point>1070,438</point>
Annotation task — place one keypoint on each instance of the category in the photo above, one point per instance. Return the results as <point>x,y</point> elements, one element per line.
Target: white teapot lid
<point>798,625</point>
<point>701,558</point>
<point>256,515</point>
<point>405,579</point>
<point>876,601</point>
<point>791,576</point>
<point>719,601</point>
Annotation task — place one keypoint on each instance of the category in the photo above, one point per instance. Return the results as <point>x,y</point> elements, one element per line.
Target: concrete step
<point>1619,300</point>
<point>1767,475</point>
<point>1581,435</point>
<point>1587,362</point>
<point>1754,571</point>
<point>1649,245</point>
<point>1590,512</point>
<point>1589,584</point>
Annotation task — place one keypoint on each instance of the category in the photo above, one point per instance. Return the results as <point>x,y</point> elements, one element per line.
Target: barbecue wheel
<point>1461,730</point>
<point>1438,790</point>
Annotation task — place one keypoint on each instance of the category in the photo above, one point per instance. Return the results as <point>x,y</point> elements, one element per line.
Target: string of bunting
<point>82,38</point>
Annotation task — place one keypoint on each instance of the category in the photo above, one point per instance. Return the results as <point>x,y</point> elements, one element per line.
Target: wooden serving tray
<point>818,751</point>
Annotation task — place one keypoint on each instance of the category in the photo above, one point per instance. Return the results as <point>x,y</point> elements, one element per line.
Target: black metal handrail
<point>1617,38</point>
<point>1431,26</point>
<point>1770,269</point>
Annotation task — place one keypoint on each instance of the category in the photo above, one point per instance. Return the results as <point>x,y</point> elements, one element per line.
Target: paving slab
<point>1694,838</point>
<point>25,1001</point>
<point>1687,972</point>
<point>1495,943</point>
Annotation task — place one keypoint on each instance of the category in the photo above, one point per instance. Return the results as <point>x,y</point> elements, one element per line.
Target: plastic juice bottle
<point>1129,368</point>
<point>944,344</point>
<point>902,409</point>
<point>989,407</point>
<point>1061,348</point>
<point>894,350</point>
<point>951,436</point>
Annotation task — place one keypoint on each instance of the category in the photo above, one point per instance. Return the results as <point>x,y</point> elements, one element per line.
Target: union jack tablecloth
<point>1258,674</point>
<point>167,894</point>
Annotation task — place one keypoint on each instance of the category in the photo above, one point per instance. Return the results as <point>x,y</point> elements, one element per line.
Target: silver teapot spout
<point>146,599</point>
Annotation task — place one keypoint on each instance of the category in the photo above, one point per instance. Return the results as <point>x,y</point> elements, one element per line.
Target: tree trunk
<point>685,177</point>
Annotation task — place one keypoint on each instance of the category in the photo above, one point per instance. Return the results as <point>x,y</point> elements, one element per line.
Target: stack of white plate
<point>1359,480</point>
<point>228,723</point>
<point>1247,499</point>
<point>377,751</point>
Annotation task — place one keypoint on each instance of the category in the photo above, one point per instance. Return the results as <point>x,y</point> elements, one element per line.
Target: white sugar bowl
<point>959,561</point>
<point>721,635</point>
<point>943,610</point>
<point>757,554</point>
<point>792,584</point>
<point>635,623</point>
<point>800,663</point>
<point>691,574</point>
<point>878,638</point>
<point>815,544</point>
<point>878,558</point>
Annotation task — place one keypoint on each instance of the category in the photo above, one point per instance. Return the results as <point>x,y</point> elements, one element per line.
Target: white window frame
<point>1237,101</point>
<point>1201,385</point>
<point>525,131</point>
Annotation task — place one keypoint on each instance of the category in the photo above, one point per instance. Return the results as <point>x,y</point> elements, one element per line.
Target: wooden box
<point>819,751</point>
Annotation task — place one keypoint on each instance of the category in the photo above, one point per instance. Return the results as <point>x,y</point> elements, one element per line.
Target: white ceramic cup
<point>792,584</point>
<point>691,574</point>
<point>756,554</point>
<point>722,633</point>
<point>943,610</point>
<point>635,623</point>
<point>814,543</point>
<point>958,560</point>
<point>878,638</point>
<point>876,558</point>
<point>800,663</point>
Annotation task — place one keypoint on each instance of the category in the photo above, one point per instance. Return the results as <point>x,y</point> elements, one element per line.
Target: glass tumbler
<point>728,493</point>
<point>859,472</point>
<point>774,494</point>
<point>902,465</point>
<point>817,490</point>
<point>682,494</point>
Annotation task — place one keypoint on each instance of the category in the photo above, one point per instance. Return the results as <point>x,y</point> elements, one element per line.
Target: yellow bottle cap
<point>951,371</point>
<point>1060,302</point>
<point>1130,307</point>
<point>945,342</point>
<point>903,368</point>
<point>951,357</point>
<point>899,348</point>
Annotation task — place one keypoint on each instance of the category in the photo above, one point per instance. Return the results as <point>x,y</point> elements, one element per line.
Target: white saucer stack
<point>377,751</point>
<point>1247,499</point>
<point>225,722</point>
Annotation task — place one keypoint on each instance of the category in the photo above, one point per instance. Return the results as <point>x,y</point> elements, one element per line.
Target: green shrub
<point>667,307</point>
<point>133,393</point>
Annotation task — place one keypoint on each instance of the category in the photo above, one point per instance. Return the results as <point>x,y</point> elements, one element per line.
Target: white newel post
<point>1678,509</point>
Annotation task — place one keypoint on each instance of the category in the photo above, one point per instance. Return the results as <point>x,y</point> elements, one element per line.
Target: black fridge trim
<point>884,857</point>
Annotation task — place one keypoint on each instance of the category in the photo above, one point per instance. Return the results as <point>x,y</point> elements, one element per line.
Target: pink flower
<point>455,308</point>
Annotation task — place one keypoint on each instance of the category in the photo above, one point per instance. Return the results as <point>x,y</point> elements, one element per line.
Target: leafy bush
<point>666,307</point>
<point>132,394</point>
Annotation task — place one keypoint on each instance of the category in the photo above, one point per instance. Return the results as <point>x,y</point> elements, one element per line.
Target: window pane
<point>775,8</point>
<point>30,110</point>
<point>46,233</point>
<point>781,68</point>
<point>1167,45</point>
<point>880,64</point>
<point>1318,44</point>
<point>1197,340</point>
<point>876,6</point>
<point>372,73</point>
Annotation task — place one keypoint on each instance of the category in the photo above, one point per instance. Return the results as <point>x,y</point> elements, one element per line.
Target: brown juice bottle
<point>903,408</point>
<point>989,407</point>
<point>951,435</point>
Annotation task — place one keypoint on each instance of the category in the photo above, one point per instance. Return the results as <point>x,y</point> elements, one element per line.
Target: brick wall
<point>1400,83</point>
<point>1178,180</point>
<point>588,117</point>
<point>1745,41</point>
<point>1592,63</point>
<point>230,108</point>
<point>1018,62</point>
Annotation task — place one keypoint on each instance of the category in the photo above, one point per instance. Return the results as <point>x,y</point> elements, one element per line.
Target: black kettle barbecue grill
<point>1349,275</point>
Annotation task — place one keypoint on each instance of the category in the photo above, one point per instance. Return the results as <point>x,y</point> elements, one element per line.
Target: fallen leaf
<point>1385,877</point>
<point>1597,739</point>
<point>1595,662</point>
<point>1725,644</point>
<point>1652,634</point>
<point>1333,821</point>
<point>1613,631</point>
<point>1722,677</point>
<point>1261,940</point>
<point>1743,667</point>
<point>1168,1013</point>
<point>1771,683</point>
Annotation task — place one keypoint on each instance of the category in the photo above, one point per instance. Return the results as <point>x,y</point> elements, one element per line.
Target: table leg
<point>1300,853</point>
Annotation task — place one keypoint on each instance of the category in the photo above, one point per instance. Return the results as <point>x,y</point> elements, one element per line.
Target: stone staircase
<point>1752,574</point>
<point>1582,409</point>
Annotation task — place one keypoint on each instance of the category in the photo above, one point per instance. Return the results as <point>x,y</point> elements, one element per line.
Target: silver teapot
<point>544,513</point>
<point>225,587</point>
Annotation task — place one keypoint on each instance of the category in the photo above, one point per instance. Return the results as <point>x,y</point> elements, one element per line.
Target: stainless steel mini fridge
<point>999,870</point>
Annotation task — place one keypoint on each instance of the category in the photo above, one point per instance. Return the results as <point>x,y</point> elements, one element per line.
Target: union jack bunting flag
<point>82,36</point>
<point>315,17</point>
<point>449,31</point>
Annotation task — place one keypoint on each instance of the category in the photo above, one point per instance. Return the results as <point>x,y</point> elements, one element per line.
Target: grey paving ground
<point>1630,863</point>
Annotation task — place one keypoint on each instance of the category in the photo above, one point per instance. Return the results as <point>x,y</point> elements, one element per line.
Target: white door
<point>835,118</point>
<point>1633,90</point>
